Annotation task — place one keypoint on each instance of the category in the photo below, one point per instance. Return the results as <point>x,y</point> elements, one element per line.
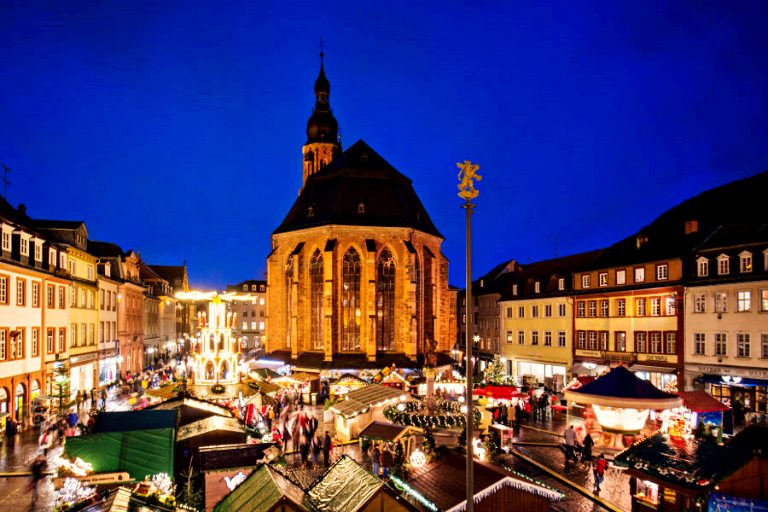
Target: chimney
<point>22,208</point>
<point>691,226</point>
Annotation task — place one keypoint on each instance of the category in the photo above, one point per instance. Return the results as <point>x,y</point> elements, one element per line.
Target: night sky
<point>175,128</point>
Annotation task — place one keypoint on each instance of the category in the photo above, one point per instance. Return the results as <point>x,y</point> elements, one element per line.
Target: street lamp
<point>476,338</point>
<point>467,191</point>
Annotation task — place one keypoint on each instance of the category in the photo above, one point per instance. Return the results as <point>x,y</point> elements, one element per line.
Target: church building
<point>356,277</point>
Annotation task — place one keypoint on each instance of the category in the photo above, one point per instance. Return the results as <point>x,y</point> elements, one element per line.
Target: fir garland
<point>447,415</point>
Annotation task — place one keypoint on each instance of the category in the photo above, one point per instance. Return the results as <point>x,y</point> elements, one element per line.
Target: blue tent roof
<point>128,421</point>
<point>622,383</point>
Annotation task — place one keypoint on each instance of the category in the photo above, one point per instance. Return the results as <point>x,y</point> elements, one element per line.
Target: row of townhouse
<point>75,310</point>
<point>682,303</point>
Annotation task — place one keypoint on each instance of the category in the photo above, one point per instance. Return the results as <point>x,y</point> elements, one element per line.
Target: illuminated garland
<point>404,487</point>
<point>533,481</point>
<point>414,414</point>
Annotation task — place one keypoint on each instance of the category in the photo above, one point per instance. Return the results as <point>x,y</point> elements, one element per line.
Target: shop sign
<point>755,373</point>
<point>83,358</point>
<point>589,353</point>
<point>620,356</point>
<point>97,479</point>
<point>657,358</point>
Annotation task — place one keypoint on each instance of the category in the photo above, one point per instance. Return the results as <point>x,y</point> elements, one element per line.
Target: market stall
<point>345,383</point>
<point>703,413</point>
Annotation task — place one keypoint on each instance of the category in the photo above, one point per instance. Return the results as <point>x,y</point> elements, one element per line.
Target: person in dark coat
<point>326,448</point>
<point>386,461</point>
<point>11,429</point>
<point>587,447</point>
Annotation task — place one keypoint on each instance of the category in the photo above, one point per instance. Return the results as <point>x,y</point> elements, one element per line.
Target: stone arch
<point>350,298</point>
<point>224,370</point>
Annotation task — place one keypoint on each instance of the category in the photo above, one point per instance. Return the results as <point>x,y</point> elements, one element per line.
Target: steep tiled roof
<point>104,249</point>
<point>359,188</point>
<point>169,272</point>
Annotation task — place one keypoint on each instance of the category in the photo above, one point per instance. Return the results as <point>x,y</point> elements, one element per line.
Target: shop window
<point>647,491</point>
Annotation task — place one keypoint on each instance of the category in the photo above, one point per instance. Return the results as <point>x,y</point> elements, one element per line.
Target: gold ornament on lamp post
<point>467,191</point>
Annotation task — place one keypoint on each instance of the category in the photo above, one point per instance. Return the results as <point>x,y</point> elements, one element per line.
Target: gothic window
<point>350,301</point>
<point>316,291</point>
<point>211,344</point>
<point>209,370</point>
<point>288,302</point>
<point>224,374</point>
<point>385,301</point>
<point>429,300</point>
<point>419,297</point>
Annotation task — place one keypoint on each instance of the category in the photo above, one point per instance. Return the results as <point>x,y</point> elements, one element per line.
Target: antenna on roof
<point>6,170</point>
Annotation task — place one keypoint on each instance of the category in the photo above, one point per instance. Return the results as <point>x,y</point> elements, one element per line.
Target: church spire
<point>322,128</point>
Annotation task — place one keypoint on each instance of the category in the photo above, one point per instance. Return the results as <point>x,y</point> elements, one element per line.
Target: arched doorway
<point>20,399</point>
<point>34,390</point>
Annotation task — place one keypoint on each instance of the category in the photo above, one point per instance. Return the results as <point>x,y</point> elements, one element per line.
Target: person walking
<point>375,459</point>
<point>11,429</point>
<point>570,443</point>
<point>317,447</point>
<point>588,443</point>
<point>599,472</point>
<point>326,448</point>
<point>37,471</point>
<point>386,461</point>
<point>103,400</point>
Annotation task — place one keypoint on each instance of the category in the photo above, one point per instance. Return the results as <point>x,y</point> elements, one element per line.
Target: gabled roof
<point>147,273</point>
<point>443,482</point>
<point>361,399</point>
<point>263,489</point>
<point>385,431</point>
<point>208,425</point>
<point>345,487</point>
<point>169,272</point>
<point>104,249</point>
<point>696,466</point>
<point>358,188</point>
<point>701,401</point>
<point>57,224</point>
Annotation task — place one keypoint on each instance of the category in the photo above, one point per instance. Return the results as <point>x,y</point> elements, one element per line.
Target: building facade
<point>250,308</point>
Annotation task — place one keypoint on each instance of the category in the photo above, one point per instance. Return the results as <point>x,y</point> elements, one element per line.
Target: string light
<point>413,493</point>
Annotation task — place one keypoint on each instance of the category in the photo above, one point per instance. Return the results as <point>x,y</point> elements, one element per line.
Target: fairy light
<point>413,493</point>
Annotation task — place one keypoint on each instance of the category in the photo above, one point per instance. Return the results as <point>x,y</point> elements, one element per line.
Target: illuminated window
<point>510,337</point>
<point>655,306</point>
<point>662,272</point>
<point>620,343</point>
<point>764,299</point>
<point>6,242</point>
<point>24,247</point>
<point>537,287</point>
<point>743,301</point>
<point>261,325</point>
<point>385,301</point>
<point>723,265</point>
<point>602,279</point>
<point>639,274</point>
<point>702,267</point>
<point>350,301</point>
<point>316,283</point>
<point>742,344</point>
<point>561,283</point>
<point>49,340</point>
<point>745,262</point>
<point>621,276</point>
<point>721,302</point>
<point>514,289</point>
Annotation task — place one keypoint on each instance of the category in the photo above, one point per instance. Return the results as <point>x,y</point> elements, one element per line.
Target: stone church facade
<point>356,276</point>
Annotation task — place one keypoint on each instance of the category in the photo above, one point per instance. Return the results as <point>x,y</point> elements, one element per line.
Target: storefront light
<point>620,419</point>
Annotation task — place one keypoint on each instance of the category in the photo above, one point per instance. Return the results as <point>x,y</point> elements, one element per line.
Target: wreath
<point>217,388</point>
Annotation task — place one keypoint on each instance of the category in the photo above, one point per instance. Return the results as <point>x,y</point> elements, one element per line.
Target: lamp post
<point>476,339</point>
<point>467,191</point>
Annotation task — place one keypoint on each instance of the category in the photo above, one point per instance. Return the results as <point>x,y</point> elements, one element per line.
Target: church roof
<point>358,188</point>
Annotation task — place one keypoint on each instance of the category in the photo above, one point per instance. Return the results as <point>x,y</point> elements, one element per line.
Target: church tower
<point>322,129</point>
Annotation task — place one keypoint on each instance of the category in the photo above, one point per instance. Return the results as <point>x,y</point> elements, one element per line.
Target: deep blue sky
<point>175,128</point>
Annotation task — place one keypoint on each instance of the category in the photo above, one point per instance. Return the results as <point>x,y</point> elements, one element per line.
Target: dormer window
<point>723,265</point>
<point>537,287</point>
<point>561,283</point>
<point>108,269</point>
<point>24,246</point>
<point>702,267</point>
<point>253,287</point>
<point>310,212</point>
<point>38,250</point>
<point>602,279</point>
<point>745,262</point>
<point>361,208</point>
<point>586,280</point>
<point>6,240</point>
<point>245,287</point>
<point>514,289</point>
<point>52,257</point>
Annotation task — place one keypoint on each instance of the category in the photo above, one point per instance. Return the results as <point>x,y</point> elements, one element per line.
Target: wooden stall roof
<point>261,491</point>
<point>345,487</point>
<point>210,424</point>
<point>386,431</point>
<point>362,399</point>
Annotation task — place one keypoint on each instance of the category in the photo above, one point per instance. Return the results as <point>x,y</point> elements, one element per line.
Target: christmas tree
<point>495,372</point>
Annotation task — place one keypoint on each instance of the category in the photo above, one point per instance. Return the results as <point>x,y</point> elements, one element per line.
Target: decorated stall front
<point>615,408</point>
<point>345,383</point>
<point>362,406</point>
<point>701,415</point>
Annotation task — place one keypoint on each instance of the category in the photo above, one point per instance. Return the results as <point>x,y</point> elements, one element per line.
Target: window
<point>38,251</point>
<point>764,300</point>
<point>581,340</point>
<point>561,283</point>
<point>586,280</point>
<point>764,346</point>
<point>316,283</point>
<point>655,342</point>
<point>35,294</point>
<point>521,337</point>
<point>6,244</point>
<point>24,246</point>
<point>4,289</point>
<point>592,308</point>
<point>655,306</point>
<point>83,335</point>
<point>62,339</point>
<point>90,273</point>
<point>3,341</point>
<point>253,325</point>
<point>520,311</point>
<point>350,300</point>
<point>742,344</point>
<point>603,340</point>
<point>745,262</point>
<point>50,296</point>
<point>547,338</point>
<point>621,276</point>
<point>509,311</point>
<point>35,342</point>
<point>62,260</point>
<point>561,338</point>
<point>261,325</point>
<point>548,310</point>
<point>21,342</point>
<point>534,337</point>
<point>702,267</point>
<point>91,296</point>
<point>639,274</point>
<point>561,309</point>
<point>640,307</point>
<point>385,300</point>
<point>621,307</point>
<point>670,342</point>
<point>21,289</point>
<point>699,344</point>
<point>102,304</point>
<point>62,294</point>
<point>620,341</point>
<point>604,308</point>
<point>662,272</point>
<point>721,344</point>
<point>723,265</point>
<point>49,339</point>
<point>602,279</point>
<point>699,303</point>
<point>592,340</point>
<point>743,301</point>
<point>510,337</point>
<point>580,308</point>
<point>73,330</point>
<point>72,267</point>
<point>514,289</point>
<point>537,287</point>
<point>641,339</point>
<point>72,297</point>
<point>721,302</point>
<point>245,326</point>
<point>91,334</point>
<point>83,299</point>
<point>534,311</point>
